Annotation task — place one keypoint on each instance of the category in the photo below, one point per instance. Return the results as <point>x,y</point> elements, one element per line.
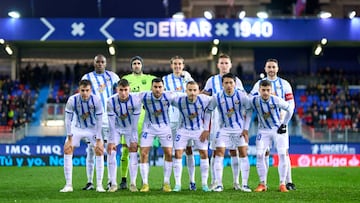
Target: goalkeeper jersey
<point>139,83</point>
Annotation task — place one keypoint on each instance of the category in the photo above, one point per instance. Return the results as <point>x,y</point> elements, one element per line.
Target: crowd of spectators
<point>16,102</point>
<point>330,101</point>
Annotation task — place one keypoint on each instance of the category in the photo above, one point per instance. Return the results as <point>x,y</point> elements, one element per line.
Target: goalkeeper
<point>138,82</point>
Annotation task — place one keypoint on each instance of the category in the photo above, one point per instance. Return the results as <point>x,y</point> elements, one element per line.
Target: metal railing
<point>330,135</point>
<point>8,136</point>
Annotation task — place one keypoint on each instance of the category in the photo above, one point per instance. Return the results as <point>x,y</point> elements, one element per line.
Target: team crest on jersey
<point>179,88</point>
<point>85,115</point>
<point>266,115</point>
<point>199,107</point>
<point>135,89</point>
<point>102,88</point>
<point>193,115</point>
<point>230,112</point>
<point>124,116</point>
<point>165,103</point>
<point>237,102</point>
<point>157,112</point>
<point>272,106</point>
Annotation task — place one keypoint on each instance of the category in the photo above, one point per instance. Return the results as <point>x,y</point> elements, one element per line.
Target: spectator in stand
<point>323,101</point>
<point>3,119</point>
<point>322,116</point>
<point>356,124</point>
<point>353,111</point>
<point>308,118</point>
<point>316,118</point>
<point>51,99</point>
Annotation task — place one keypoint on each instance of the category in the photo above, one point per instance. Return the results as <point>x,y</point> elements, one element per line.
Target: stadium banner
<point>57,149</point>
<point>297,160</point>
<point>195,29</point>
<point>322,160</point>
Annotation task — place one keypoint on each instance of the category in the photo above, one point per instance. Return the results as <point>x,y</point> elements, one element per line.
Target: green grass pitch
<point>42,184</point>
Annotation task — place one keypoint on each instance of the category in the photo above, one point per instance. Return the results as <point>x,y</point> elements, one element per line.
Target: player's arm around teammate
<point>176,82</point>
<point>230,104</point>
<point>156,124</point>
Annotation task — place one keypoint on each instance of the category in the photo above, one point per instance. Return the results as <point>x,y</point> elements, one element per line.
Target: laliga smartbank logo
<point>327,160</point>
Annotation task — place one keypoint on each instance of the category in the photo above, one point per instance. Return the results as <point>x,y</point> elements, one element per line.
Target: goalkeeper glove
<point>282,129</point>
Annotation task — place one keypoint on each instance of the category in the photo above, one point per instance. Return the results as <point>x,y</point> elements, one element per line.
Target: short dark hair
<point>228,75</point>
<point>192,82</point>
<point>265,83</point>
<point>85,83</point>
<point>156,80</point>
<point>136,58</point>
<point>272,60</point>
<point>123,83</point>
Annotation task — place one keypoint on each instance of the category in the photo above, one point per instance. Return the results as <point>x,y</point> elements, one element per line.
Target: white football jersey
<point>123,111</point>
<point>192,113</point>
<point>103,87</point>
<point>231,109</point>
<point>268,112</point>
<point>175,84</point>
<point>156,109</point>
<point>87,114</point>
<point>280,87</point>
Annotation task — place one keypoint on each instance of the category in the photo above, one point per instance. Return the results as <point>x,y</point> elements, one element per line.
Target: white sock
<point>219,167</point>
<point>133,168</point>
<point>245,170</point>
<point>204,169</point>
<point>282,168</point>
<point>235,168</point>
<point>177,171</point>
<point>107,162</point>
<point>267,162</point>
<point>112,167</point>
<point>212,170</point>
<point>190,160</point>
<point>68,168</point>
<point>289,175</point>
<point>99,170</point>
<point>90,160</point>
<point>261,167</point>
<point>167,171</point>
<point>144,171</point>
